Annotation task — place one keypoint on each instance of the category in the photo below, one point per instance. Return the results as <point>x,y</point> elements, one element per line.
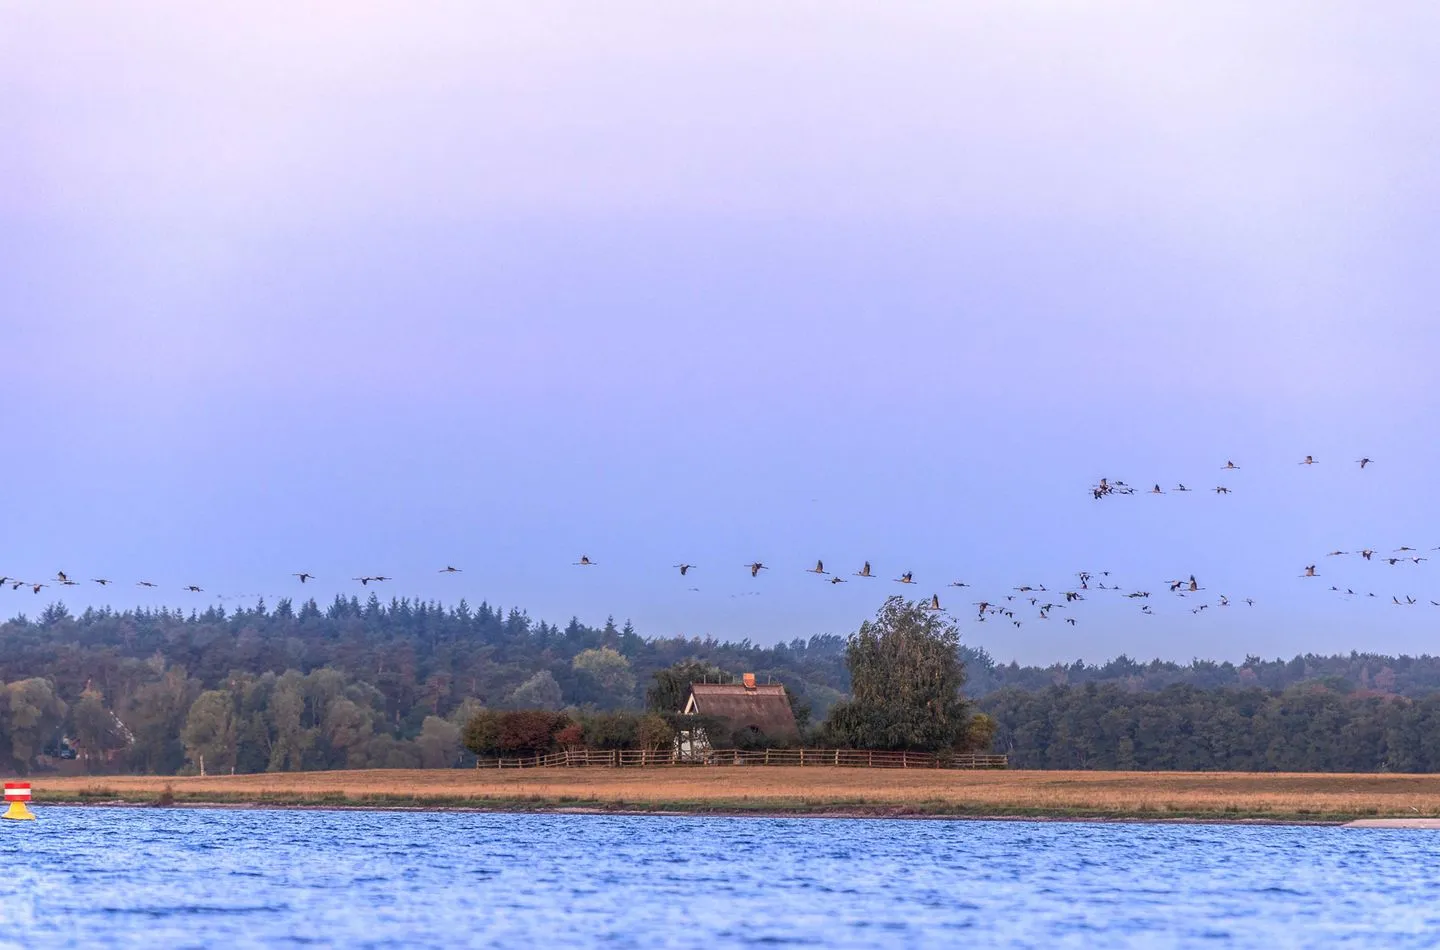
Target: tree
<point>97,731</point>
<point>210,734</point>
<point>540,691</point>
<point>607,675</point>
<point>32,715</point>
<point>439,743</point>
<point>905,675</point>
<point>670,689</point>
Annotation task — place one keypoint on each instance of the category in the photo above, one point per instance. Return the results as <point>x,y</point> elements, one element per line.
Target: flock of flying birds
<point>1008,606</point>
<point>1107,487</point>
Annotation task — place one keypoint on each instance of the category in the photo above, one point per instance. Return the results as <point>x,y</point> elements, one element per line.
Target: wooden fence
<point>845,758</point>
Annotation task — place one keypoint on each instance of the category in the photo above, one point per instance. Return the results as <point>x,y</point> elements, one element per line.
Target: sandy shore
<point>1212,796</point>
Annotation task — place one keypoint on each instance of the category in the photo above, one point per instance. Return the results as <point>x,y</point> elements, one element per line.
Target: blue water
<point>190,877</point>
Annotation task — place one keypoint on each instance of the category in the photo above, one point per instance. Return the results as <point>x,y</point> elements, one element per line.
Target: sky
<point>376,288</point>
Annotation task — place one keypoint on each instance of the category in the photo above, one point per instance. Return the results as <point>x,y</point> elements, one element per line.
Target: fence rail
<point>845,758</point>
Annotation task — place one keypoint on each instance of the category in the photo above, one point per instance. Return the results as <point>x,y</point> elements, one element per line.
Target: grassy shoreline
<point>792,792</point>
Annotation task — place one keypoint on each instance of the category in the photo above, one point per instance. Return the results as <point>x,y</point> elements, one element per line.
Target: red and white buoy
<point>17,797</point>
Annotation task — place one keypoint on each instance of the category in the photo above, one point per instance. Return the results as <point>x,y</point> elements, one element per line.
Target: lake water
<point>87,877</point>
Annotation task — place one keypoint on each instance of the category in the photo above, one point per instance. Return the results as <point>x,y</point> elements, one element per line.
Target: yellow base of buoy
<point>18,812</point>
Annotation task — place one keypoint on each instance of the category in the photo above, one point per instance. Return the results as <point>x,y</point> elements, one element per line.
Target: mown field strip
<point>755,788</point>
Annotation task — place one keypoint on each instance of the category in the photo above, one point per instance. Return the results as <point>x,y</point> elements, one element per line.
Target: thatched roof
<point>762,707</point>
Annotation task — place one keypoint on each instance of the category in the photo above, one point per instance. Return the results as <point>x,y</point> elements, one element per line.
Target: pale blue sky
<point>375,288</point>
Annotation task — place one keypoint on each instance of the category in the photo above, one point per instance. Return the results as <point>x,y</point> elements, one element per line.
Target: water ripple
<point>181,877</point>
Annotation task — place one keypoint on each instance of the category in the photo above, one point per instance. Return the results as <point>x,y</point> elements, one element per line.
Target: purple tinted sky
<point>373,288</point>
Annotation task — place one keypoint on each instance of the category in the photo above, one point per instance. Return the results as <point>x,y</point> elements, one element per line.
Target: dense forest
<point>365,683</point>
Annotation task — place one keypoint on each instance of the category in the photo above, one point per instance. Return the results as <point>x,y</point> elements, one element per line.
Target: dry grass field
<point>1320,797</point>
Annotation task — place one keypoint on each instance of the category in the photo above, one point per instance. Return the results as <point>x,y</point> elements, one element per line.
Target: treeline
<point>1415,677</point>
<point>420,656</point>
<point>122,684</point>
<point>1305,728</point>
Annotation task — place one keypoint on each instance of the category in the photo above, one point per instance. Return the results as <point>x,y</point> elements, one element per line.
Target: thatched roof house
<point>745,706</point>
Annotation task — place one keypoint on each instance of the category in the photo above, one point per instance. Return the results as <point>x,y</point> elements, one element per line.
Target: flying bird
<point>958,584</point>
<point>1221,490</point>
<point>193,589</point>
<point>684,568</point>
<point>448,569</point>
<point>756,567</point>
<point>102,581</point>
<point>838,580</point>
<point>864,571</point>
<point>1364,462</point>
<point>1308,460</point>
<point>1228,466</point>
<point>304,576</point>
<point>819,568</point>
<point>934,602</point>
<point>1181,487</point>
<point>585,561</point>
<point>1310,571</point>
<point>906,578</point>
<point>60,576</point>
<point>144,583</point>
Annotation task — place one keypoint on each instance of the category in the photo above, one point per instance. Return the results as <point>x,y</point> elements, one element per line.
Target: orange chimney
<point>749,680</point>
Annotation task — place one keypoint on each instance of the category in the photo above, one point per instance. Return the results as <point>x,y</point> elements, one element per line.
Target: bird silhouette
<point>864,571</point>
<point>756,567</point>
<point>144,583</point>
<point>1229,466</point>
<point>102,581</point>
<point>1310,571</point>
<point>838,580</point>
<point>684,568</point>
<point>304,576</point>
<point>448,569</point>
<point>1221,490</point>
<point>1308,460</point>
<point>819,568</point>
<point>1181,487</point>
<point>934,602</point>
<point>906,578</point>
<point>1364,462</point>
<point>193,589</point>
<point>584,561</point>
<point>60,576</point>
